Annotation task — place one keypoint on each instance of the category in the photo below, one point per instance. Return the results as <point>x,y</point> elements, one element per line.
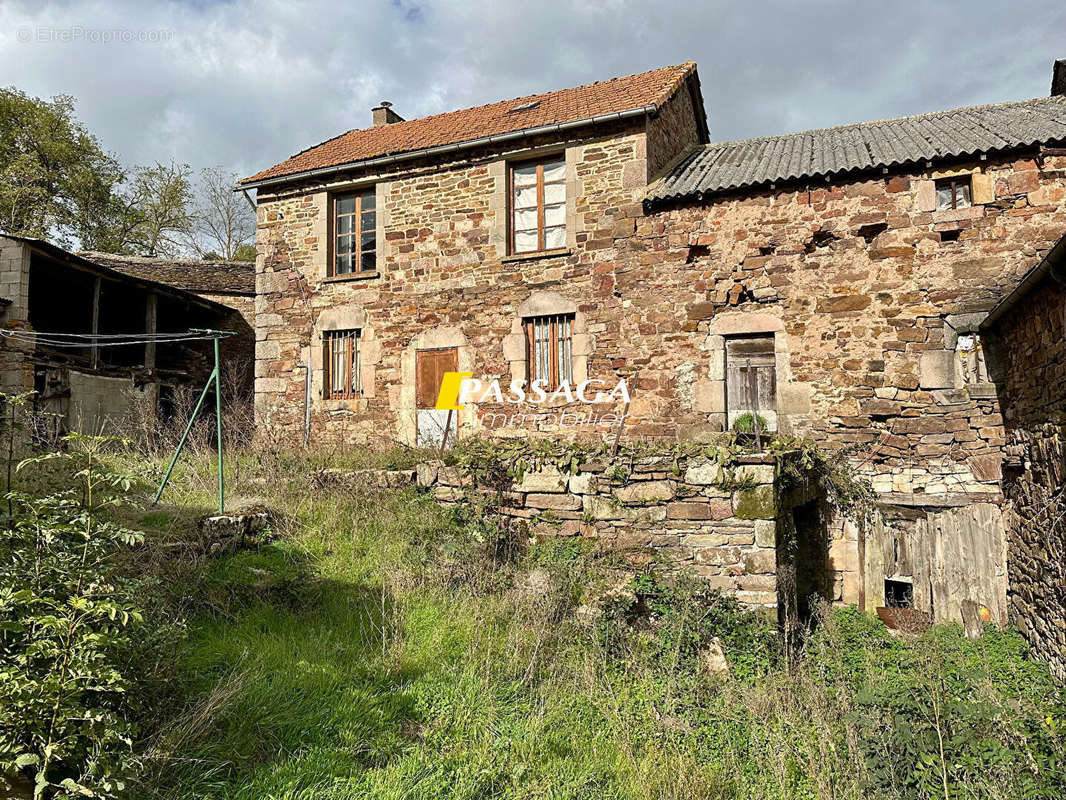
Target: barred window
<point>550,341</point>
<point>354,233</point>
<point>538,206</point>
<point>342,368</point>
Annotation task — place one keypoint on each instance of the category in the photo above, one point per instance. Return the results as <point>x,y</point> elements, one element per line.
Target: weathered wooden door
<point>952,558</point>
<point>430,366</point>
<point>751,378</point>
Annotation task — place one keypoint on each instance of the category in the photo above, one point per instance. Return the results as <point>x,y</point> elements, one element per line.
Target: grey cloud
<point>248,82</point>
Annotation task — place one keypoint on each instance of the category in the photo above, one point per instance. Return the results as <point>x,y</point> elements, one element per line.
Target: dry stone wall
<point>1030,343</point>
<point>719,522</point>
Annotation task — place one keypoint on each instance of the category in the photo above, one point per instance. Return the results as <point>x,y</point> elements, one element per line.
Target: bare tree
<point>224,222</point>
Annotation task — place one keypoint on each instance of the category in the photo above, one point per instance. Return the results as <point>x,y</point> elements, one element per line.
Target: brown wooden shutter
<point>430,366</point>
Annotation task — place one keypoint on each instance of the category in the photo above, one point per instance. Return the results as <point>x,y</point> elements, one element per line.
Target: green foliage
<point>67,621</point>
<point>54,175</point>
<point>686,615</point>
<point>745,423</point>
<point>941,716</point>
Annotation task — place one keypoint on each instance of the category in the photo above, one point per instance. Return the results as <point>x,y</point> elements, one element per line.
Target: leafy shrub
<point>942,716</point>
<point>686,615</point>
<point>745,423</point>
<point>67,621</point>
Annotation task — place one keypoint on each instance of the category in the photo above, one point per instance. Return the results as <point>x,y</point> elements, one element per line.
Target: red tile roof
<point>568,105</point>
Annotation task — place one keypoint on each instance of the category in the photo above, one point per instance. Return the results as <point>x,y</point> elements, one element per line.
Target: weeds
<point>381,646</point>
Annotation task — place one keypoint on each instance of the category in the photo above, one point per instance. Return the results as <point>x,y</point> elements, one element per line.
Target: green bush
<point>67,622</point>
<point>938,715</point>
<point>745,423</point>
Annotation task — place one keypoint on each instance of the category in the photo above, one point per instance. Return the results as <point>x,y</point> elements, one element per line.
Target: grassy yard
<point>379,646</point>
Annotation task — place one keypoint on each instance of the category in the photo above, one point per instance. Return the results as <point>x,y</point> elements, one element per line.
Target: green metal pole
<point>184,437</point>
<point>218,427</point>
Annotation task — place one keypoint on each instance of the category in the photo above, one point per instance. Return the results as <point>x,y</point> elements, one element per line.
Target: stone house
<point>830,283</point>
<point>100,387</point>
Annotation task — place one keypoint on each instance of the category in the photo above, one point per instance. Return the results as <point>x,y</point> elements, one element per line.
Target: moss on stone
<point>757,503</point>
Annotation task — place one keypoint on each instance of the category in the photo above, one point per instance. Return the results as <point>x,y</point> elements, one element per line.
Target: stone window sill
<point>562,251</point>
<point>352,276</point>
<point>345,403</point>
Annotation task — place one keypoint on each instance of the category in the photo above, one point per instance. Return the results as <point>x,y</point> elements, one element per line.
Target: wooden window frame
<point>955,181</point>
<point>356,234</point>
<point>352,360</point>
<point>559,343</point>
<point>513,209</point>
<point>745,368</point>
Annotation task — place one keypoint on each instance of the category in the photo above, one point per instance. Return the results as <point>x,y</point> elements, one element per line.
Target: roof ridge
<point>103,254</point>
<point>687,67</point>
<point>850,125</point>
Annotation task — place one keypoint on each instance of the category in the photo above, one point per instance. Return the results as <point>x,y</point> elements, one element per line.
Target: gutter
<point>1052,264</point>
<point>557,127</point>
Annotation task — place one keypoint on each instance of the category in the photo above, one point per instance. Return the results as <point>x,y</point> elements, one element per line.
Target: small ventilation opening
<point>819,239</point>
<point>899,594</point>
<point>950,236</point>
<point>697,251</point>
<point>870,232</point>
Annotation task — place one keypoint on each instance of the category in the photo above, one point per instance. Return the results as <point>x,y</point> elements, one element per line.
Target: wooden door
<point>430,366</point>
<point>751,378</point>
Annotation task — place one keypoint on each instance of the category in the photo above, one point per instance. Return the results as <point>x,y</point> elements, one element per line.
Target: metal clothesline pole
<point>69,340</point>
<point>216,377</point>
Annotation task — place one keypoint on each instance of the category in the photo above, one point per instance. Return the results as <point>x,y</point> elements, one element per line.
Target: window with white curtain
<point>341,362</point>
<point>538,205</point>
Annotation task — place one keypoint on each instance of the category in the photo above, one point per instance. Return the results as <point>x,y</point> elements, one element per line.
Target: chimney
<point>384,115</point>
<point>1058,78</point>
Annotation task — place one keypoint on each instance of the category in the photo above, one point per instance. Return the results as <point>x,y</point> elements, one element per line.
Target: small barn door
<point>430,366</point>
<point>751,378</point>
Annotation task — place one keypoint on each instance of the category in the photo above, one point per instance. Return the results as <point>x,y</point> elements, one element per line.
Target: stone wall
<point>865,289</point>
<point>722,523</point>
<point>1030,344</point>
<point>238,352</point>
<point>443,280</point>
<point>672,134</point>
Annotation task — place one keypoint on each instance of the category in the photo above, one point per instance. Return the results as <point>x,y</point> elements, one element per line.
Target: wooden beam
<point>94,358</point>
<point>151,319</point>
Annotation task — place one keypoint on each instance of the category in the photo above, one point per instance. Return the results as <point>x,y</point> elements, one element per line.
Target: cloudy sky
<point>246,83</point>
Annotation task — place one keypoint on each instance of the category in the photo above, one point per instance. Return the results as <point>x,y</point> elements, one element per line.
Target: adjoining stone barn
<point>228,283</point>
<point>831,282</point>
<point>102,388</point>
<point>1026,332</point>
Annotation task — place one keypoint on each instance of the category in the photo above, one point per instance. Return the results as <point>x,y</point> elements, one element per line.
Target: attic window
<point>953,193</point>
<point>524,106</point>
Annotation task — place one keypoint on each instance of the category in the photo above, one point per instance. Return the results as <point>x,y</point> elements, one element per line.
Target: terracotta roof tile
<point>568,105</point>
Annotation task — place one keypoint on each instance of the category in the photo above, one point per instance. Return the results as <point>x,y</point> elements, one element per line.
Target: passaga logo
<point>459,388</point>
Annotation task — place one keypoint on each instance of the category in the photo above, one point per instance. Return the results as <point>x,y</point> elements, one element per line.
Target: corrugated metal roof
<point>959,132</point>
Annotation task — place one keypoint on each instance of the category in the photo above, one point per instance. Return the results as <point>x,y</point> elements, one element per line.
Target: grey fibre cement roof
<point>959,132</point>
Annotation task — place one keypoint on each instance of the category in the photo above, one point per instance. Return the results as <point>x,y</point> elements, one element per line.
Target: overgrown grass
<point>379,647</point>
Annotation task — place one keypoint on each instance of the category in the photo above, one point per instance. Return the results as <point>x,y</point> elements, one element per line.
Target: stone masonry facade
<point>872,297</point>
<point>1030,340</point>
<point>865,296</point>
